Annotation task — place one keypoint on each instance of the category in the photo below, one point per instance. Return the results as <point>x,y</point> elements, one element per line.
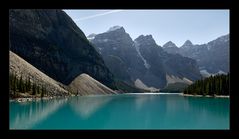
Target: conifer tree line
<point>213,85</point>
<point>18,85</point>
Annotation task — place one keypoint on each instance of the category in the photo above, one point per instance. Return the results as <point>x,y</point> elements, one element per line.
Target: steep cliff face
<point>120,56</point>
<point>52,42</point>
<point>162,64</point>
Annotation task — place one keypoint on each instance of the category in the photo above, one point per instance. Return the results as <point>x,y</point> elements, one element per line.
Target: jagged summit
<point>142,59</point>
<point>145,39</point>
<point>169,44</point>
<point>116,28</point>
<point>187,44</point>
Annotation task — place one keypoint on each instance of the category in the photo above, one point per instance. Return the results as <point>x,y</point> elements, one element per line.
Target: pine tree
<point>29,84</point>
<point>34,89</point>
<point>212,85</point>
<point>21,85</point>
<point>14,84</point>
<point>42,91</point>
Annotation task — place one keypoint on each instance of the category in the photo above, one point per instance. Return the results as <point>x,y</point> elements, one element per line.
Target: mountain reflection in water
<point>33,112</point>
<point>125,111</point>
<point>88,105</point>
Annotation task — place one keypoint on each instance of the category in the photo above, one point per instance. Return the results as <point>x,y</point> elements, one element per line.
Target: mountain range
<point>49,48</point>
<point>212,57</point>
<point>141,62</point>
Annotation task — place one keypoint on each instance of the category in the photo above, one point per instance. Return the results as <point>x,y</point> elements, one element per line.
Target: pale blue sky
<point>199,26</point>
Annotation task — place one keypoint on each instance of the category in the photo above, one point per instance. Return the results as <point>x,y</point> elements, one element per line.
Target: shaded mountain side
<point>52,42</point>
<point>116,48</point>
<point>118,67</point>
<point>162,64</point>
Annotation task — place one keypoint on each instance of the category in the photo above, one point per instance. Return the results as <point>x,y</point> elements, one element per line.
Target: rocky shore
<point>30,99</point>
<point>216,96</point>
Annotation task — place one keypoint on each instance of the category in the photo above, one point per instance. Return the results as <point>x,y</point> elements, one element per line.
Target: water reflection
<point>212,106</point>
<point>140,100</point>
<point>122,112</point>
<point>174,101</point>
<point>197,113</point>
<point>85,106</point>
<point>26,115</point>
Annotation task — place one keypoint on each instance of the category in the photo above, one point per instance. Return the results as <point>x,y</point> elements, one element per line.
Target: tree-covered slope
<point>214,85</point>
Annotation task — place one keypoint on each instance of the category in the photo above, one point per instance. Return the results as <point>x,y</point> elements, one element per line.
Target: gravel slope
<point>21,67</point>
<point>86,85</point>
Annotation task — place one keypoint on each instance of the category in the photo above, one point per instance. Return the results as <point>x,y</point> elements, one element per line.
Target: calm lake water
<point>127,111</point>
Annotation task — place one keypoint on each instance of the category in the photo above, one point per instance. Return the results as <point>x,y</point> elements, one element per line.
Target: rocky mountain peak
<point>187,44</point>
<point>115,35</point>
<point>145,39</point>
<point>116,28</point>
<point>169,44</point>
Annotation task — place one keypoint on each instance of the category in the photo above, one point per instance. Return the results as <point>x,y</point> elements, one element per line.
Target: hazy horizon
<point>198,26</point>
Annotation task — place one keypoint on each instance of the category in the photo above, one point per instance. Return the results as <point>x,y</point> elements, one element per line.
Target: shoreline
<point>215,96</point>
<point>30,99</point>
<point>154,93</point>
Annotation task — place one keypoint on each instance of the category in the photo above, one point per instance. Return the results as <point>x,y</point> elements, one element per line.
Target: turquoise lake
<point>126,111</point>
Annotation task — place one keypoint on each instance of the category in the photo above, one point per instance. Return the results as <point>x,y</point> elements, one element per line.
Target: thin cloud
<point>97,15</point>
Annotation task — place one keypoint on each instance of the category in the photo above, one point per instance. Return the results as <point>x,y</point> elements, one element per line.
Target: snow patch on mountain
<point>205,73</point>
<point>136,44</point>
<point>105,40</point>
<point>114,28</point>
<point>221,72</point>
<point>91,36</point>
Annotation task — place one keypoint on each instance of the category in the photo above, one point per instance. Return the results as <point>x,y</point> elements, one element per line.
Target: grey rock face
<point>119,54</point>
<point>212,56</point>
<point>163,63</point>
<point>171,48</point>
<point>141,59</point>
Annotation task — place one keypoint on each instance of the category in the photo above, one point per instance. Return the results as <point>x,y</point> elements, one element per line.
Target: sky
<point>198,26</point>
